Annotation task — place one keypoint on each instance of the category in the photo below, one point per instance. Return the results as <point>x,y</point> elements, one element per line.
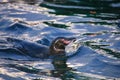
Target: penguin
<point>37,50</point>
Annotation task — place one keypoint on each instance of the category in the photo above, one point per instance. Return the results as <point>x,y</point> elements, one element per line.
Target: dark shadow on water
<point>60,66</point>
<point>58,25</point>
<point>101,47</point>
<point>91,8</point>
<point>61,70</point>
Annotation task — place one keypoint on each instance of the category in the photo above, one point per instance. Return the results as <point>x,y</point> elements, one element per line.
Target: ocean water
<point>96,23</point>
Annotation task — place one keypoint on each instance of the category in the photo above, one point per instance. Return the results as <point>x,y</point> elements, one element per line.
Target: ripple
<point>96,25</point>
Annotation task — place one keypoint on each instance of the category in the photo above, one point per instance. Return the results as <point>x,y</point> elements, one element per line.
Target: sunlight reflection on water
<point>98,58</point>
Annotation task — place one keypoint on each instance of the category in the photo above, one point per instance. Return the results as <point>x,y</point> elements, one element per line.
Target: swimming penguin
<point>57,47</point>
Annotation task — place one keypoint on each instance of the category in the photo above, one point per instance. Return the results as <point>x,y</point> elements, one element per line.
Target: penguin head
<point>58,45</point>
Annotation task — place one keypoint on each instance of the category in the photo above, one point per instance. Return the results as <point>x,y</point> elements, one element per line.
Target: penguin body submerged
<point>37,50</point>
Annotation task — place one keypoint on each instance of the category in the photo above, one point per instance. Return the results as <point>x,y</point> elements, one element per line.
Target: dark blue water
<point>95,23</point>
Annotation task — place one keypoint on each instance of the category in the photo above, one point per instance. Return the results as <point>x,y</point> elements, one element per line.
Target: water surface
<point>95,23</point>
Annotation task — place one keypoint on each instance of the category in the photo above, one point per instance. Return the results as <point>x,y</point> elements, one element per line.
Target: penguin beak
<point>68,40</point>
